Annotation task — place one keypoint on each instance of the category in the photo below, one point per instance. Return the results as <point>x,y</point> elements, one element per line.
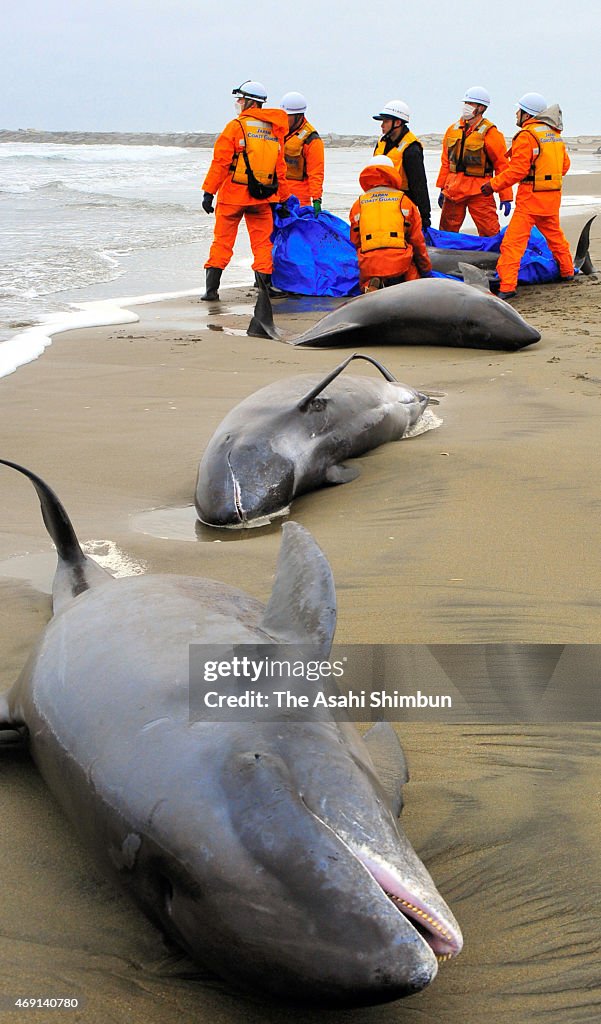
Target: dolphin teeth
<point>420,913</point>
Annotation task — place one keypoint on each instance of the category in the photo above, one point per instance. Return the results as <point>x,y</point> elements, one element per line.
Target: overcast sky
<point>170,65</point>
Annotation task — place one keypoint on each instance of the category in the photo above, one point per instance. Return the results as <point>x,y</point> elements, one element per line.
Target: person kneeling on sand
<point>538,161</point>
<point>386,229</point>
<point>248,171</point>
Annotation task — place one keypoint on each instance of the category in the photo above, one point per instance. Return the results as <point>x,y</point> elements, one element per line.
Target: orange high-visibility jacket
<point>490,144</point>
<point>396,155</point>
<point>536,150</point>
<point>387,180</point>
<point>304,154</point>
<point>227,161</point>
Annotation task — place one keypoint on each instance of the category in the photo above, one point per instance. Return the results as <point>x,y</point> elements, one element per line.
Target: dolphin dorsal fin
<point>305,402</point>
<point>262,325</point>
<point>582,259</point>
<point>302,606</point>
<point>474,277</point>
<point>75,571</point>
<point>389,761</point>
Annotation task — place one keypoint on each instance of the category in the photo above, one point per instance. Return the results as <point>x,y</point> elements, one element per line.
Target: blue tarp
<point>538,266</point>
<point>313,255</point>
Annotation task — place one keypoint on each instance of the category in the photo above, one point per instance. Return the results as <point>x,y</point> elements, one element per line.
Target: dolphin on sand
<point>431,311</point>
<point>269,850</point>
<point>294,436</point>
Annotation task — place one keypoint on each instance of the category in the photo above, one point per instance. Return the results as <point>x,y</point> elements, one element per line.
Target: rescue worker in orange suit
<point>473,149</point>
<point>407,154</point>
<point>386,229</point>
<point>248,172</point>
<point>303,152</point>
<point>538,161</point>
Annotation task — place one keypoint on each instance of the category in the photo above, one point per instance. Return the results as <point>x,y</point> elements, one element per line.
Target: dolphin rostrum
<point>269,850</point>
<point>294,436</point>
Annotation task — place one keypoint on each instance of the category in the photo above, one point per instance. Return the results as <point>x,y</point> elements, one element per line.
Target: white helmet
<point>394,108</point>
<point>380,161</point>
<point>532,103</point>
<point>477,94</point>
<point>294,103</point>
<point>250,90</point>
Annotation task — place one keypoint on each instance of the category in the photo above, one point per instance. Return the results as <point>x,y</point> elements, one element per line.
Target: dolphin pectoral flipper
<point>474,276</point>
<point>302,606</point>
<point>309,338</point>
<point>341,474</point>
<point>582,259</point>
<point>75,571</point>
<point>389,762</point>
<point>308,398</point>
<point>262,325</point>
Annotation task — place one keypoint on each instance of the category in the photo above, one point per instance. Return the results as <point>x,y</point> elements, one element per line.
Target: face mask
<point>467,111</point>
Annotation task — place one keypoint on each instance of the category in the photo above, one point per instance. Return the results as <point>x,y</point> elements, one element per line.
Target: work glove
<point>486,189</point>
<point>282,210</point>
<point>426,273</point>
<point>317,207</point>
<point>207,202</point>
<point>505,206</point>
<point>441,200</point>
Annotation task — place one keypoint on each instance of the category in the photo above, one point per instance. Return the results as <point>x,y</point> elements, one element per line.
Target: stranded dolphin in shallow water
<point>431,311</point>
<point>269,850</point>
<point>293,436</point>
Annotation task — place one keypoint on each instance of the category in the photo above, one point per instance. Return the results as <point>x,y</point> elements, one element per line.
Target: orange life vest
<point>294,151</point>
<point>467,154</point>
<point>546,172</point>
<point>396,154</point>
<point>261,146</point>
<point>382,220</point>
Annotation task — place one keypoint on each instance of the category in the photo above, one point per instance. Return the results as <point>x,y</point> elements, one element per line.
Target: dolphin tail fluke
<point>302,606</point>
<point>262,325</point>
<point>75,571</point>
<point>582,259</point>
<point>389,762</point>
<point>305,402</point>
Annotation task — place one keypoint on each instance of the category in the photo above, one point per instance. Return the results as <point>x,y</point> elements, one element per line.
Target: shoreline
<point>479,531</point>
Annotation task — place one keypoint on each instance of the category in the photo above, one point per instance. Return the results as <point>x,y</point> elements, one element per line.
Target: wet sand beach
<point>483,530</point>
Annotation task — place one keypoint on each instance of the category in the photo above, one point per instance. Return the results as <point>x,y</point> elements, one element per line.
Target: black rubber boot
<point>212,286</point>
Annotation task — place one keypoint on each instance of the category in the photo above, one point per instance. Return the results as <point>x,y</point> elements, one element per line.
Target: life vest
<point>396,154</point>
<point>382,221</point>
<point>261,146</point>
<point>467,154</point>
<point>546,171</point>
<point>294,151</point>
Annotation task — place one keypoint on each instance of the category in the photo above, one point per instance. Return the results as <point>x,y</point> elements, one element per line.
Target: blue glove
<point>441,200</point>
<point>317,207</point>
<point>505,206</point>
<point>207,202</point>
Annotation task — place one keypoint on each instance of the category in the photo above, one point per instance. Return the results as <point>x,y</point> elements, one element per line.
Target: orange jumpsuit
<point>408,263</point>
<point>311,185</point>
<point>462,191</point>
<point>234,201</point>
<point>532,209</point>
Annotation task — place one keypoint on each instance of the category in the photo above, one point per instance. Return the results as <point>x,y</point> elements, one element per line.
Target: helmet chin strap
<point>391,131</point>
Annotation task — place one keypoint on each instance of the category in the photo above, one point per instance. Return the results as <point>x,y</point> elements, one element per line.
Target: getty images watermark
<point>398,682</point>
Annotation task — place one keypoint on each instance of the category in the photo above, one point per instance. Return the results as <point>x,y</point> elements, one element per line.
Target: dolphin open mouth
<point>442,938</point>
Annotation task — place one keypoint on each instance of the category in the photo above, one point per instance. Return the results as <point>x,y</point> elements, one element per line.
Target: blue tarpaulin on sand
<point>538,266</point>
<point>313,255</point>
